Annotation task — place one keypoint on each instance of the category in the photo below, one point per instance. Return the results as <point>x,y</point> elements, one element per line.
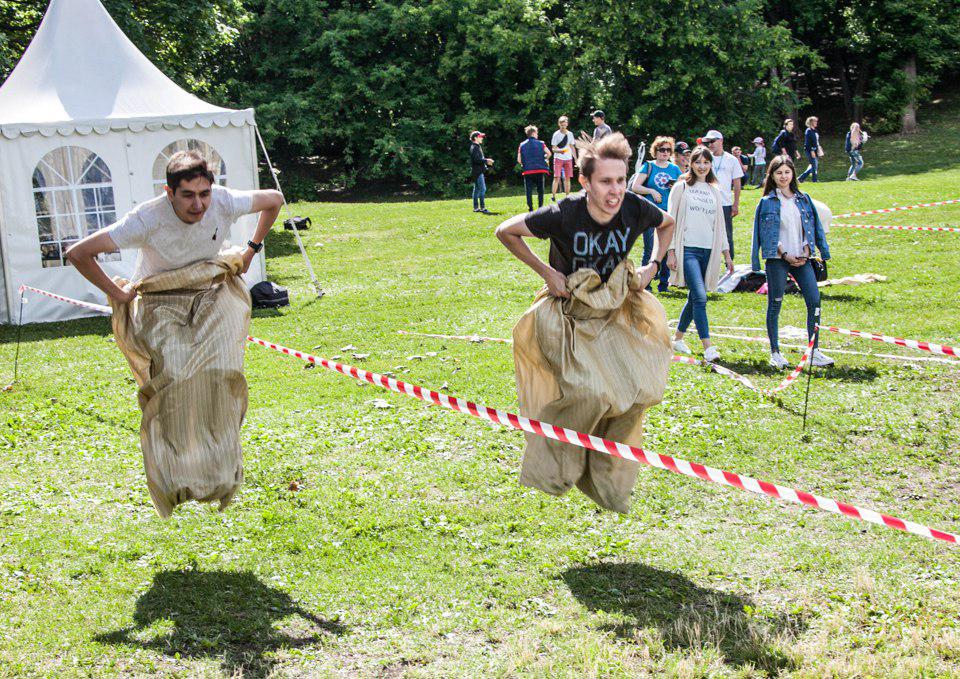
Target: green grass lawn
<point>397,541</point>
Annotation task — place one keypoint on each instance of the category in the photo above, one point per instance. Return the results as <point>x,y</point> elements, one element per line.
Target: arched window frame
<point>206,149</point>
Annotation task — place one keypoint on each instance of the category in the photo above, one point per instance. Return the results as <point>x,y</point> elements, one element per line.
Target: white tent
<point>86,126</point>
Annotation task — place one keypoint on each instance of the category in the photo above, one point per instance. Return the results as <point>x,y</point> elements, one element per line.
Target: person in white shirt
<point>188,223</point>
<point>759,156</point>
<point>564,149</point>
<point>699,239</point>
<point>729,173</point>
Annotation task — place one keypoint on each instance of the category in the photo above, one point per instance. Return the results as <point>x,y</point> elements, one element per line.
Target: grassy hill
<point>397,542</point>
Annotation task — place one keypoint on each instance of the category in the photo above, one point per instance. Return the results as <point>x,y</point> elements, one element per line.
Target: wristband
<point>256,247</point>
<point>657,262</point>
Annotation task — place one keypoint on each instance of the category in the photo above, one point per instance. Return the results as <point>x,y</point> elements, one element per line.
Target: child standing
<point>532,156</point>
<point>759,156</point>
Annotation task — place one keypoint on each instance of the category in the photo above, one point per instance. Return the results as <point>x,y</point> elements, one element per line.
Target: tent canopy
<point>81,74</point>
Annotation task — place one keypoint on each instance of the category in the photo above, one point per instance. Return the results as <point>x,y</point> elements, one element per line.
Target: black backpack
<point>302,223</point>
<point>267,295</point>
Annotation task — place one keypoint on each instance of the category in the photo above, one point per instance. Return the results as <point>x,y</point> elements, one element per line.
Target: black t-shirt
<point>578,242</point>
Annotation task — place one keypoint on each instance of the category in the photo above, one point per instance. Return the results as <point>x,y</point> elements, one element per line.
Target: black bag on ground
<point>267,295</point>
<point>752,282</point>
<point>302,223</point>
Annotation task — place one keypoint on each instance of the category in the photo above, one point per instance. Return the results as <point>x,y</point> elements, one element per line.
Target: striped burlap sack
<point>594,362</point>
<point>184,337</point>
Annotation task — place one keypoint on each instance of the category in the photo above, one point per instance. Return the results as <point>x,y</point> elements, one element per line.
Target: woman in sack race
<point>699,240</point>
<point>786,227</point>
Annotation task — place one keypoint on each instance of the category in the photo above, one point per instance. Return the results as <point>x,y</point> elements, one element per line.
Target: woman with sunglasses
<point>786,227</point>
<point>653,182</point>
<point>699,240</point>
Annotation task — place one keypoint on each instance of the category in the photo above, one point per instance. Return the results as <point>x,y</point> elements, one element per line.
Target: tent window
<point>214,159</point>
<point>73,197</point>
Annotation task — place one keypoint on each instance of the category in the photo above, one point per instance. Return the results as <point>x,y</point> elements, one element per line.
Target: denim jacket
<point>766,227</point>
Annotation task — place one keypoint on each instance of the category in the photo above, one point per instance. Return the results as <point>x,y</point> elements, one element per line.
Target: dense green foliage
<point>368,91</point>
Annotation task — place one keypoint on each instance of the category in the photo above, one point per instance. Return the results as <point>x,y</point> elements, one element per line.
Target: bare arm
<point>268,203</point>
<point>736,197</point>
<point>83,256</point>
<point>511,233</point>
<point>638,187</point>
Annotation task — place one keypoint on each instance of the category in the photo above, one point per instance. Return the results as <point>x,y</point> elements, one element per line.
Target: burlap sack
<point>594,362</point>
<point>184,337</point>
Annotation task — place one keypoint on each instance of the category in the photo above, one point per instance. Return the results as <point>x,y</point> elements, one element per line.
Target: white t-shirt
<point>791,226</point>
<point>561,140</point>
<point>166,242</point>
<point>727,168</point>
<point>700,217</point>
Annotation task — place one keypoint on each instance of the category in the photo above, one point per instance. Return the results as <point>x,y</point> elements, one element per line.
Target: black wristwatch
<point>256,247</point>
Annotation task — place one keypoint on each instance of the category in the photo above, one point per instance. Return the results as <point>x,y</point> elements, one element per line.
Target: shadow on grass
<point>688,617</point>
<point>225,615</point>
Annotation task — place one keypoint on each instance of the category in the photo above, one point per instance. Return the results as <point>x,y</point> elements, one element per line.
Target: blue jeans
<point>695,262</point>
<point>777,270</point>
<point>812,168</point>
<point>856,163</point>
<point>759,174</point>
<point>663,275</point>
<point>479,192</point>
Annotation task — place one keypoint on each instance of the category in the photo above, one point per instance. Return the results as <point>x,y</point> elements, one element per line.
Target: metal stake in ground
<point>806,398</point>
<point>16,353</point>
<point>296,232</point>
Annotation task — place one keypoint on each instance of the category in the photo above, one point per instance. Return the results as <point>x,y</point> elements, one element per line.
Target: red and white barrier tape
<point>676,465</point>
<point>673,464</point>
<point>896,209</point>
<point>899,341</point>
<point>719,369</point>
<point>69,300</point>
<point>900,228</point>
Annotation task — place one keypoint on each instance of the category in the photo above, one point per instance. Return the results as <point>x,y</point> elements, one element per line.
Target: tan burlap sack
<point>184,337</point>
<point>594,362</point>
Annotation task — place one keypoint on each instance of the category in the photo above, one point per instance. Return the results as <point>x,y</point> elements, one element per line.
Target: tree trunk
<point>845,85</point>
<point>863,77</point>
<point>908,124</point>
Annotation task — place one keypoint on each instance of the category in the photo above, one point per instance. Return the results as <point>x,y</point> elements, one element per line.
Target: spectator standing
<point>737,153</point>
<point>564,153</point>
<point>681,156</point>
<point>759,156</point>
<point>600,129</point>
<point>699,239</point>
<point>729,173</point>
<point>786,227</point>
<point>786,142</point>
<point>853,145</point>
<point>811,146</point>
<point>532,156</point>
<point>653,181</point>
<point>478,165</point>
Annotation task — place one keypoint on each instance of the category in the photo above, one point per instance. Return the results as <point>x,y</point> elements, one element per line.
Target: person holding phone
<point>786,227</point>
<point>654,181</point>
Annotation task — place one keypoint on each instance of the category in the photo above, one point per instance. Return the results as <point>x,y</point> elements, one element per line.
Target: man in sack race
<point>592,353</point>
<point>182,326</point>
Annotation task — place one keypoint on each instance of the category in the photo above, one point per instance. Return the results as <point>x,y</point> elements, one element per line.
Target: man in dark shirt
<point>478,165</point>
<point>600,127</point>
<point>594,229</point>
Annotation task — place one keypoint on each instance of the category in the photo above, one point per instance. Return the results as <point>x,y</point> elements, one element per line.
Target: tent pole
<point>296,232</point>
<point>16,355</point>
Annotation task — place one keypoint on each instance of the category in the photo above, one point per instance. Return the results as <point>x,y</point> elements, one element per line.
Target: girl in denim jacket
<point>786,227</point>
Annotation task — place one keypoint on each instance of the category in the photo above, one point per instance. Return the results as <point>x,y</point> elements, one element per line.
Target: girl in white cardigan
<point>699,239</point>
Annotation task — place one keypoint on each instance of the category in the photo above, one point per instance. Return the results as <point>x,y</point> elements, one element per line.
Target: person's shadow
<point>219,614</point>
<point>688,616</point>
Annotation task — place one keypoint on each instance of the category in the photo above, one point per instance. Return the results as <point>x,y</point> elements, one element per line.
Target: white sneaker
<point>711,354</point>
<point>820,359</point>
<point>681,347</point>
<point>778,361</point>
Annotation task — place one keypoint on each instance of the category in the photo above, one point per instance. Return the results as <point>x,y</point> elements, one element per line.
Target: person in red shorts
<point>564,153</point>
